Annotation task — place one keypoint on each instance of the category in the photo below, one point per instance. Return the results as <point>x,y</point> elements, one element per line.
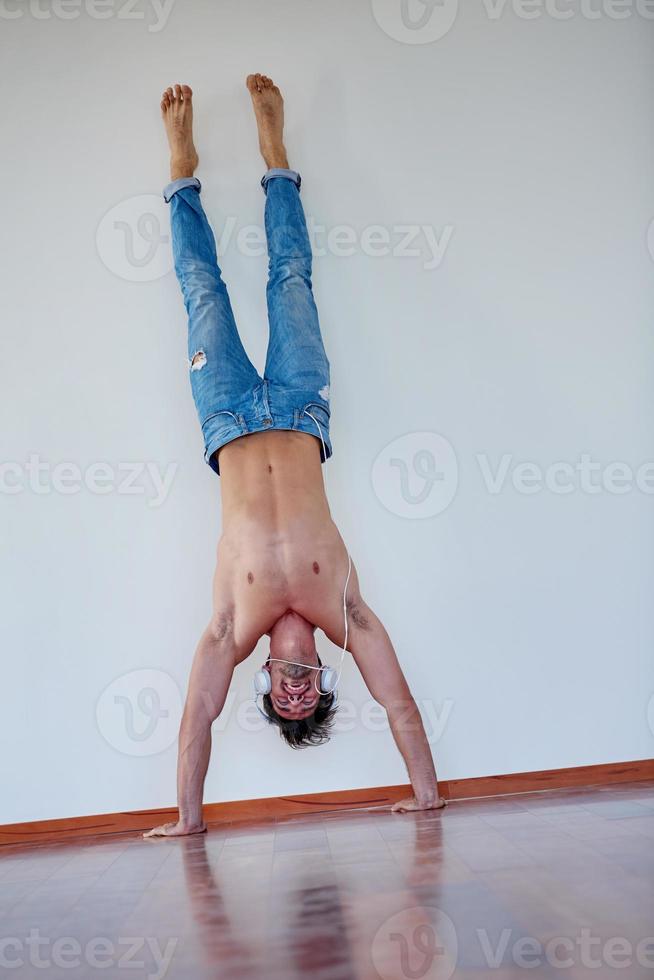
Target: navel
<point>250,578</point>
<point>269,468</point>
<point>316,568</point>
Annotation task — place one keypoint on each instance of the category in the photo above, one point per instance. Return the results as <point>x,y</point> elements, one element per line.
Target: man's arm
<point>375,657</point>
<point>209,682</point>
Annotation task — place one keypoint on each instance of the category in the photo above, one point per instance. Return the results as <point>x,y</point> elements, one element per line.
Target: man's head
<point>302,714</point>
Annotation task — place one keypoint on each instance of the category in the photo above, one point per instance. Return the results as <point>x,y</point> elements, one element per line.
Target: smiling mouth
<point>296,689</point>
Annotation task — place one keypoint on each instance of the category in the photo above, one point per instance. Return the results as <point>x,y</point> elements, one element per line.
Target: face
<point>294,695</point>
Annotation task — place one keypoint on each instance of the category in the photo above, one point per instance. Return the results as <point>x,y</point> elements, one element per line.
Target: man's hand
<point>177,829</point>
<point>407,806</point>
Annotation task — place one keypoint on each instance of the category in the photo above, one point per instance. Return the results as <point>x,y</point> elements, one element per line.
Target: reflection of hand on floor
<point>231,943</point>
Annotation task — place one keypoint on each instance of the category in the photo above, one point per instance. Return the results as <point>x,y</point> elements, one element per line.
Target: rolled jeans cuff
<point>180,184</point>
<point>280,172</point>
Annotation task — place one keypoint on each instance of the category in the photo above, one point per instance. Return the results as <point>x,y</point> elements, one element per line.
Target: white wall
<point>527,616</point>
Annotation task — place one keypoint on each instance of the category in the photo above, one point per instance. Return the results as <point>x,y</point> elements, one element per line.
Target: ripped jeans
<point>231,398</point>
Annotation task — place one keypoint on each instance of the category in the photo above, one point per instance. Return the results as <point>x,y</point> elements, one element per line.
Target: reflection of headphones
<point>328,677</point>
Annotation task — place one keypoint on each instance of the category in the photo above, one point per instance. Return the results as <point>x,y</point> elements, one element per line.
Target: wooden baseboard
<point>274,807</point>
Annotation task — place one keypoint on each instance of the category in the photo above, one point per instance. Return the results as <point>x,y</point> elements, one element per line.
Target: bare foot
<point>177,112</point>
<point>269,110</point>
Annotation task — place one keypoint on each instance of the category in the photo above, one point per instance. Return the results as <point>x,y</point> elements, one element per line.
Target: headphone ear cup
<point>328,680</point>
<point>262,682</point>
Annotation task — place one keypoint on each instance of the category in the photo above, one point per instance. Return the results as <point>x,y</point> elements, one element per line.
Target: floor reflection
<point>320,900</point>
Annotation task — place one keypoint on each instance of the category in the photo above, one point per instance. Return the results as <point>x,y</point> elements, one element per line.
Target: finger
<point>156,832</point>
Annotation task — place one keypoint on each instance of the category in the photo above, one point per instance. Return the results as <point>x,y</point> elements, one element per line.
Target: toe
<point>187,93</point>
<point>259,79</point>
<point>178,92</point>
<point>251,83</point>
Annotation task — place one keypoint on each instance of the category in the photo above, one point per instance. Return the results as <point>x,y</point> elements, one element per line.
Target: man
<point>283,569</point>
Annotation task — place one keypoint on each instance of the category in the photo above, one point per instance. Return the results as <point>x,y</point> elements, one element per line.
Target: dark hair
<point>314,730</point>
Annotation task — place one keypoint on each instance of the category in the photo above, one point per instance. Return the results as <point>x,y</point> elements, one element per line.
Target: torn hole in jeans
<point>198,361</point>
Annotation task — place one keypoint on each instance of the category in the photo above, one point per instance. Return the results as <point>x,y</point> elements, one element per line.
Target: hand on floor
<point>175,830</point>
<point>407,806</point>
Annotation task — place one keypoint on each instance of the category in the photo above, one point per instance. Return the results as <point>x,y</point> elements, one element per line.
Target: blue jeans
<point>231,398</point>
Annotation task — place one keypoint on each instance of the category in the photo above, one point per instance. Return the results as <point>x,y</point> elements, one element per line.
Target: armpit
<point>357,615</point>
<point>222,625</point>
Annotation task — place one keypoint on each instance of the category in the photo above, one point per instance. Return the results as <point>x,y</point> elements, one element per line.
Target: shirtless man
<point>283,569</point>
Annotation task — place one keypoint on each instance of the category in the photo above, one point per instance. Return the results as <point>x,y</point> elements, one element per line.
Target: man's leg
<point>296,355</point>
<point>221,372</point>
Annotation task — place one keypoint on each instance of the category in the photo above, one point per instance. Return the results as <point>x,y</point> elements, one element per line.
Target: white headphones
<point>328,677</point>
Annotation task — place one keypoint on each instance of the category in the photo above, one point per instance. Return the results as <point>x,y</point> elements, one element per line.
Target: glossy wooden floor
<point>479,889</point>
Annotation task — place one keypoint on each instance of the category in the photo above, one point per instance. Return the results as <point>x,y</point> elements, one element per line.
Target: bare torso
<point>280,549</point>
